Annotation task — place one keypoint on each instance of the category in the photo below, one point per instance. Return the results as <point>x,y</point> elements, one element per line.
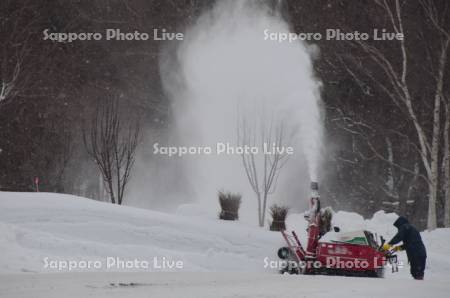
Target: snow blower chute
<point>356,253</point>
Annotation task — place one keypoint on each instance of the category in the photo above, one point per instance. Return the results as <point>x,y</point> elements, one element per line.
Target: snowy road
<point>211,285</point>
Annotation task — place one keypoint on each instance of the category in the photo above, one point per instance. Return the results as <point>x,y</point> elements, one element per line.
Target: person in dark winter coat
<point>412,243</point>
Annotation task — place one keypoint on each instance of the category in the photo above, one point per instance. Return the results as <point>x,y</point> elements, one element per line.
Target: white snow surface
<point>220,258</point>
<point>34,226</point>
<point>219,284</point>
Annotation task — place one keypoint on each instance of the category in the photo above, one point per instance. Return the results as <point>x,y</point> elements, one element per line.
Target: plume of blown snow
<point>226,65</point>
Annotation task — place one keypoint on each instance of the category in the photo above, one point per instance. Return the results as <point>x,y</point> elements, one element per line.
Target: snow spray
<point>226,69</point>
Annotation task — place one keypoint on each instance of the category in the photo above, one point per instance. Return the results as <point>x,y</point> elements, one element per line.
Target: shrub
<point>278,214</point>
<point>229,204</point>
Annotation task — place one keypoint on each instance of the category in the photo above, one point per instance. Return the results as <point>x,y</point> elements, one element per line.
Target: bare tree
<point>371,142</point>
<point>398,88</point>
<point>23,54</point>
<point>446,167</point>
<point>15,49</point>
<point>112,146</point>
<point>262,171</point>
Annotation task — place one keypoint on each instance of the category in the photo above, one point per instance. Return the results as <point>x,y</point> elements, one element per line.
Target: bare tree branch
<point>112,148</point>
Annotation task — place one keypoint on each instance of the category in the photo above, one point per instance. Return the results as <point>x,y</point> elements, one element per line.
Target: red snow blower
<point>353,254</point>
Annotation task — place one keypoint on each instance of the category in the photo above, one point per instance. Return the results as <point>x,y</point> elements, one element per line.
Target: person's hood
<point>400,221</point>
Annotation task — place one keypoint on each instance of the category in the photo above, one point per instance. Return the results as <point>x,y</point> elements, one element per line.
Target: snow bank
<point>380,223</point>
<point>34,226</point>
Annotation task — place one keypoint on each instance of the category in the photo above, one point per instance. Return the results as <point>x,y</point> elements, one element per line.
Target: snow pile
<point>380,223</point>
<point>34,226</point>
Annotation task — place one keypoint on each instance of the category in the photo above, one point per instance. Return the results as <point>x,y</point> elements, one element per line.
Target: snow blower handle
<point>390,248</point>
<point>389,252</point>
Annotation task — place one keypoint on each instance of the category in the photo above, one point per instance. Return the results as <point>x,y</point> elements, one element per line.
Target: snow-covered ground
<point>35,226</point>
<point>218,258</point>
<point>219,284</point>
